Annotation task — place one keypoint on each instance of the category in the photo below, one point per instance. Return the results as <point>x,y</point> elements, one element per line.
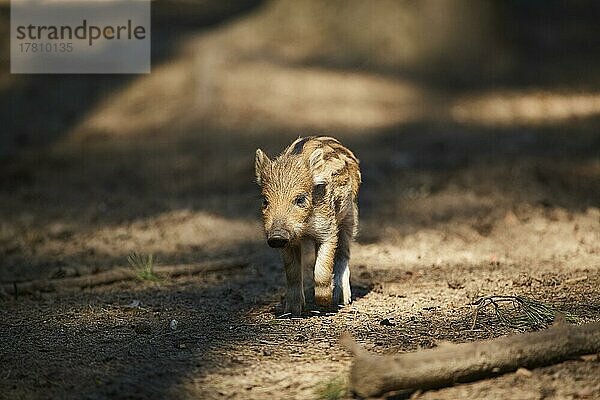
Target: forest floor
<point>456,204</point>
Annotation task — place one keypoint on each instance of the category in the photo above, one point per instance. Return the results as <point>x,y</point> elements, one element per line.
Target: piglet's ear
<point>261,163</point>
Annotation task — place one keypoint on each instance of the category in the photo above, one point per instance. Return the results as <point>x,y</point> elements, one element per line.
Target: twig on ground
<point>121,274</point>
<point>575,280</point>
<point>518,312</point>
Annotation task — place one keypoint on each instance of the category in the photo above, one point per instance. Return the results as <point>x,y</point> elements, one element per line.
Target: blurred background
<point>476,123</point>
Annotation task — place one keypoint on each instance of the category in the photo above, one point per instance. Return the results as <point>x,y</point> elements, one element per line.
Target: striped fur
<point>310,192</point>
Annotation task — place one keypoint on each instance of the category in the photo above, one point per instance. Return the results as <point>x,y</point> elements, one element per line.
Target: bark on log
<point>117,275</point>
<point>373,375</point>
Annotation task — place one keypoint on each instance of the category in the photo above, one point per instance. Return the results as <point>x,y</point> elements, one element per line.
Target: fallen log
<point>373,375</point>
<point>117,275</point>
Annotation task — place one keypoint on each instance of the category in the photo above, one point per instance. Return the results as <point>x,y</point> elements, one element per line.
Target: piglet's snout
<point>278,238</point>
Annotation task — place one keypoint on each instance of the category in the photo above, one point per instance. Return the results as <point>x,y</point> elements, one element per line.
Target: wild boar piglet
<point>310,194</point>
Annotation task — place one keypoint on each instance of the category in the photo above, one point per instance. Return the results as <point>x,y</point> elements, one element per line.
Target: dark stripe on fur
<point>300,145</point>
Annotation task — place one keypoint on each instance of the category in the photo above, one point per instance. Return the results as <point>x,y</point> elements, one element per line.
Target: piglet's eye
<point>300,200</point>
<point>265,203</point>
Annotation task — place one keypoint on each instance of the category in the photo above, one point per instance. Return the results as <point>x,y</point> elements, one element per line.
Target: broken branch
<point>448,364</point>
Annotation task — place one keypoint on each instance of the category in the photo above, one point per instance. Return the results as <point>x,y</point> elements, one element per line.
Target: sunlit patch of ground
<point>251,96</point>
<point>535,107</point>
<point>207,87</point>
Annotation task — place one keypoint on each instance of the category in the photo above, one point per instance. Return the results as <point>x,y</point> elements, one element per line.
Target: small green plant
<point>333,389</point>
<point>143,266</point>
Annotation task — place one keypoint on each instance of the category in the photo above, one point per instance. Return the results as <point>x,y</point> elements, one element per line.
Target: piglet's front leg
<point>324,272</point>
<point>294,298</point>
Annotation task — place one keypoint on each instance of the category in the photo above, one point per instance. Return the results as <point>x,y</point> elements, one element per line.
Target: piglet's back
<point>329,161</point>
